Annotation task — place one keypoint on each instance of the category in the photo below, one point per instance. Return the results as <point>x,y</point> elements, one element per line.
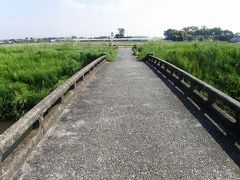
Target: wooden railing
<point>36,115</point>
<point>204,94</point>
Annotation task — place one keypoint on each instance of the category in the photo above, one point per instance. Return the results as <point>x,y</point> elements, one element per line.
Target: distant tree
<point>112,34</point>
<point>195,33</point>
<point>121,32</point>
<point>227,35</point>
<point>175,35</point>
<point>168,34</point>
<point>191,30</point>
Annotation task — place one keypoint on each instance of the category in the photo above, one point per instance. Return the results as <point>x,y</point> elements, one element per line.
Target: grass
<point>218,64</point>
<point>28,73</point>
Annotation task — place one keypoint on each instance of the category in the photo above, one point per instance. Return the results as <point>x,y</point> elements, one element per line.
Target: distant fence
<point>203,93</point>
<point>35,117</point>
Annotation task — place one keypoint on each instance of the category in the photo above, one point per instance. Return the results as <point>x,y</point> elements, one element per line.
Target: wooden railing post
<point>211,98</point>
<point>148,56</point>
<point>160,64</point>
<point>164,67</point>
<point>192,86</point>
<point>180,78</point>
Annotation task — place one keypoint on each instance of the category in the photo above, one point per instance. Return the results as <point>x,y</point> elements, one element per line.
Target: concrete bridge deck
<point>128,124</point>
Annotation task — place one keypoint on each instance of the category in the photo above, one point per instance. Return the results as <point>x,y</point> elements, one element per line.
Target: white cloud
<point>122,5</point>
<point>105,7</point>
<point>73,4</point>
<point>129,4</point>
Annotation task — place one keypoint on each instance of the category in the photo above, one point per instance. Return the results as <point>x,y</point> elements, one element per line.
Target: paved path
<point>127,124</point>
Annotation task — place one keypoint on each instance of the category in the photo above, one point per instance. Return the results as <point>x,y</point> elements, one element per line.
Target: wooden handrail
<point>191,82</point>
<point>13,133</point>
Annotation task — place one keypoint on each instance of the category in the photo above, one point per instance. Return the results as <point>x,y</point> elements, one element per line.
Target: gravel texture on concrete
<point>127,124</point>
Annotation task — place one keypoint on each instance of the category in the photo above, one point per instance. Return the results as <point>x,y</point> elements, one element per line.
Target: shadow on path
<point>228,143</point>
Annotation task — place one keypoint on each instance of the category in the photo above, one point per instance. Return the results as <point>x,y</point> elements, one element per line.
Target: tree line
<point>195,33</point>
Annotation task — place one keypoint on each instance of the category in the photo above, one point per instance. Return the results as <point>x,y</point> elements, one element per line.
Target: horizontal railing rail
<point>196,86</point>
<point>36,114</point>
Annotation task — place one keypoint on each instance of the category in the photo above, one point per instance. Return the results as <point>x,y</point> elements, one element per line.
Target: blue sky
<point>43,18</point>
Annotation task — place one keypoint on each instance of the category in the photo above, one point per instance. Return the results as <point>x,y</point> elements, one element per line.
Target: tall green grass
<point>30,72</point>
<point>217,64</point>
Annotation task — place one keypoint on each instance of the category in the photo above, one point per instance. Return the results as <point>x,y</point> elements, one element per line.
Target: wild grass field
<point>216,63</point>
<point>30,72</point>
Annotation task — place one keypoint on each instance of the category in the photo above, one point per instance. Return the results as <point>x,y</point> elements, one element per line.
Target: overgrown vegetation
<point>28,73</point>
<point>217,64</point>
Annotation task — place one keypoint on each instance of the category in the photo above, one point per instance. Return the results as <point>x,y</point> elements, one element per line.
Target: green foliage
<point>121,33</point>
<point>217,64</point>
<point>30,72</point>
<point>195,33</point>
<point>175,35</point>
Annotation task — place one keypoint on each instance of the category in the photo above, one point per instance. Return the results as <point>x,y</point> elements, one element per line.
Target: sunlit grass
<point>215,63</point>
<point>30,72</point>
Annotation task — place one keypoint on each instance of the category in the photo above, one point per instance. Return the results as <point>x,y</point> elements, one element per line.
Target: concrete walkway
<point>127,124</point>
